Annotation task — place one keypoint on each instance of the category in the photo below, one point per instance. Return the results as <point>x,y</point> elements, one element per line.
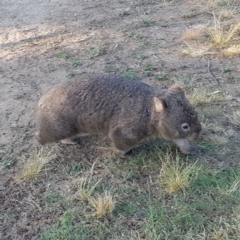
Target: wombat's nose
<point>196,135</point>
<point>199,134</point>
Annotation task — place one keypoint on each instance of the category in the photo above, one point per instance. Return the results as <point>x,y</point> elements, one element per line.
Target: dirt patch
<point>43,43</point>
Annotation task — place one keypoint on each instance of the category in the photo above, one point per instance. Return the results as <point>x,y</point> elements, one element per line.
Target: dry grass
<point>208,125</point>
<point>217,40</point>
<point>201,96</point>
<point>85,186</point>
<point>193,33</point>
<point>85,189</point>
<point>232,51</point>
<point>103,204</point>
<point>235,186</point>
<point>176,176</point>
<point>217,139</point>
<point>234,117</point>
<point>35,164</point>
<point>220,234</point>
<point>220,36</point>
<point>195,51</point>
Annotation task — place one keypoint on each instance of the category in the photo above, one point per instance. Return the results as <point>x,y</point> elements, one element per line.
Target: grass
<point>177,205</point>
<point>220,36</point>
<point>35,164</point>
<point>75,63</point>
<point>62,55</point>
<point>130,74</point>
<point>195,51</point>
<point>193,33</point>
<point>149,67</point>
<point>103,204</point>
<point>85,188</point>
<point>232,51</point>
<point>146,23</point>
<point>201,96</point>
<point>218,40</point>
<point>176,176</point>
<point>162,77</point>
<point>234,118</point>
<point>94,52</point>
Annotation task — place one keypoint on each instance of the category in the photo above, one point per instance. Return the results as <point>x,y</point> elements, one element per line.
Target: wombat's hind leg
<point>39,138</point>
<point>48,133</point>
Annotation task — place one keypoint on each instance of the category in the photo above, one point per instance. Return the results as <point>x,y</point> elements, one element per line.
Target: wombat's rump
<point>127,111</point>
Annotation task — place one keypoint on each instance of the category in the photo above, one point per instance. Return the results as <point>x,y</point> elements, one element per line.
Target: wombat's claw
<point>68,141</point>
<point>119,153</point>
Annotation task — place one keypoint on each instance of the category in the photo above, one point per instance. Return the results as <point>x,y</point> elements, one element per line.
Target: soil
<point>43,43</point>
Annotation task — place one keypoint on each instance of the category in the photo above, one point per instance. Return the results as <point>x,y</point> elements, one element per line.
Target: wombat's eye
<point>185,127</point>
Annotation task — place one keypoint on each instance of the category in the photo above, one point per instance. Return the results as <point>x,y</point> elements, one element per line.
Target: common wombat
<point>128,111</point>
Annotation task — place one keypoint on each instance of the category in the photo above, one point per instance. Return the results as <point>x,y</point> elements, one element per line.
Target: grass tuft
<point>218,40</point>
<point>219,234</point>
<point>195,51</point>
<point>232,51</point>
<point>103,204</point>
<point>176,176</point>
<point>85,186</point>
<point>35,164</point>
<point>220,36</point>
<point>201,96</point>
<point>85,189</point>
<point>194,33</point>
<point>234,187</point>
<point>234,117</point>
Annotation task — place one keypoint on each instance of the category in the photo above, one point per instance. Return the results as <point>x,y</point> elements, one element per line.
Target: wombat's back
<point>92,105</point>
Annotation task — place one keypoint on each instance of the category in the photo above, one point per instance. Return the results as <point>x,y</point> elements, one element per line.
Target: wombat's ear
<point>177,88</point>
<point>159,104</point>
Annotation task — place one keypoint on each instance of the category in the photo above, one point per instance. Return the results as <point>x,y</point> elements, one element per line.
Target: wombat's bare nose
<point>199,134</point>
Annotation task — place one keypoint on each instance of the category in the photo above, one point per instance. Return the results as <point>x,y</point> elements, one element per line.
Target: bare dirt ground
<point>43,43</point>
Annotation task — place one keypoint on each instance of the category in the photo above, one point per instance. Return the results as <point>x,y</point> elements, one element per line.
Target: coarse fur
<point>128,111</point>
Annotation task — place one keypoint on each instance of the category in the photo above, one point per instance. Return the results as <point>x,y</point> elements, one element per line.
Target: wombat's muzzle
<point>195,135</point>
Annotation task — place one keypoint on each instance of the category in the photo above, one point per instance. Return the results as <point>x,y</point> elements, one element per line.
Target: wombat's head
<point>174,117</point>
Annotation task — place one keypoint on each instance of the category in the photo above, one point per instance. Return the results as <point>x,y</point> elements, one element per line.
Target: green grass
<point>130,74</point>
<point>146,23</point>
<point>53,198</point>
<point>75,63</point>
<point>62,55</point>
<point>95,52</point>
<point>207,207</point>
<point>202,209</point>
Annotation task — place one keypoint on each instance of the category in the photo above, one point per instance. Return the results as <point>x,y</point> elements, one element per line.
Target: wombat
<point>127,111</point>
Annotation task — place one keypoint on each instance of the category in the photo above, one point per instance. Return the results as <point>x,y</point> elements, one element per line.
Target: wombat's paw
<point>68,141</point>
<point>121,154</point>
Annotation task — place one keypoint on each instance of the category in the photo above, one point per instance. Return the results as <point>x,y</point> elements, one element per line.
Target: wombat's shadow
<point>143,149</point>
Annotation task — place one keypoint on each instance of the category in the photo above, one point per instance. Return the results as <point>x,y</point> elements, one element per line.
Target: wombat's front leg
<point>121,154</point>
<point>123,142</point>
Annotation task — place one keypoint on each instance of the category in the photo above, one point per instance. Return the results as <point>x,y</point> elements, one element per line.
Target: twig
<point>209,70</point>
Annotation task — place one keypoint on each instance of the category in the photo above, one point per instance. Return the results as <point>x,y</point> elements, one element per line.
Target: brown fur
<point>125,110</point>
